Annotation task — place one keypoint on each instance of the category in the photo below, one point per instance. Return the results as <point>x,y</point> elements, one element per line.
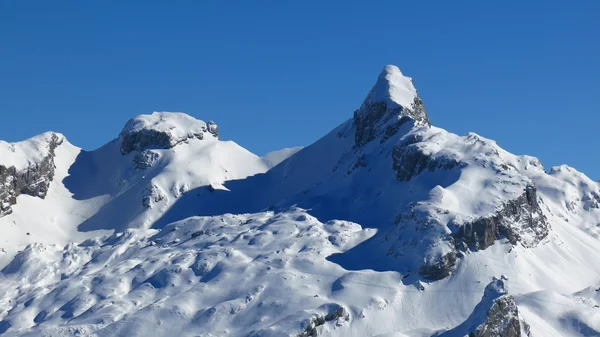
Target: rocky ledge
<point>33,179</point>
<point>163,130</point>
<point>439,244</point>
<point>519,220</point>
<point>496,315</point>
<point>409,159</point>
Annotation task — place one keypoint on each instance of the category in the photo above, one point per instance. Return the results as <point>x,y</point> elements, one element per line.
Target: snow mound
<point>185,279</point>
<point>163,130</point>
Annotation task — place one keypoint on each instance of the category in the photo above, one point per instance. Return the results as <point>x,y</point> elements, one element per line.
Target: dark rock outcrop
<point>502,320</point>
<point>502,316</point>
<point>591,201</point>
<point>439,268</point>
<point>152,195</point>
<point>151,139</point>
<point>373,119</point>
<point>409,159</point>
<point>310,330</point>
<point>421,231</point>
<point>163,130</point>
<point>496,315</point>
<point>145,159</point>
<point>33,180</point>
<point>392,102</point>
<point>519,220</point>
<point>213,129</point>
<point>420,236</point>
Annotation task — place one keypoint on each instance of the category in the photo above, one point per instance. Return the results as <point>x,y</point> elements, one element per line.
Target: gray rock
<point>502,317</point>
<point>409,160</point>
<point>381,114</point>
<point>519,220</point>
<point>145,159</point>
<point>374,119</point>
<point>502,320</point>
<point>33,180</point>
<point>213,129</point>
<point>163,130</point>
<point>152,195</point>
<point>337,312</point>
<point>150,139</point>
<point>496,315</point>
<point>439,268</point>
<point>591,201</point>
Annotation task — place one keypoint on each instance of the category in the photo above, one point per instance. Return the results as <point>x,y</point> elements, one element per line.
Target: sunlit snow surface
<point>266,273</point>
<point>208,239</point>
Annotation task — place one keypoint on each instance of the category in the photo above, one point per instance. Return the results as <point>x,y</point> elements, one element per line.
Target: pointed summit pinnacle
<point>393,88</point>
<point>392,101</point>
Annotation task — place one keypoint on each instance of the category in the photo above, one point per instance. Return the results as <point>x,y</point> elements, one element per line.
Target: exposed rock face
<point>145,159</point>
<point>591,201</point>
<point>502,320</point>
<point>438,244</point>
<point>409,159</point>
<point>310,330</point>
<point>502,316</point>
<point>519,220</point>
<point>392,102</point>
<point>422,237</point>
<point>213,129</point>
<point>145,138</point>
<point>34,180</point>
<point>440,268</point>
<point>496,315</point>
<point>163,130</point>
<point>152,195</point>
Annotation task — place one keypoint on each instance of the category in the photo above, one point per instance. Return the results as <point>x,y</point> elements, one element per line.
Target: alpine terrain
<point>387,226</point>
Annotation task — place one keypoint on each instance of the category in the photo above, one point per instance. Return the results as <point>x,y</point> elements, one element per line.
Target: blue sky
<point>283,73</point>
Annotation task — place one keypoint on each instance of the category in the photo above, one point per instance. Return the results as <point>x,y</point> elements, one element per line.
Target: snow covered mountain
<point>387,226</point>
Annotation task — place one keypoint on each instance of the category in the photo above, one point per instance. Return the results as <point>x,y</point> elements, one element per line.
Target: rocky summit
<point>387,226</point>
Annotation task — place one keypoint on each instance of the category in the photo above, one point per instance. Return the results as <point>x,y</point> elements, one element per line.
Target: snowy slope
<point>272,159</point>
<point>22,154</point>
<point>387,226</point>
<point>51,220</point>
<point>128,182</point>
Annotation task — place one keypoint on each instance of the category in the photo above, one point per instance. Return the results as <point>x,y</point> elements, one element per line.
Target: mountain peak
<point>392,101</point>
<point>163,130</point>
<point>23,154</point>
<point>393,88</point>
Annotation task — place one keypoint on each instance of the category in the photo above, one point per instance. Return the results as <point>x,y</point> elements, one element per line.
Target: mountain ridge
<point>386,226</point>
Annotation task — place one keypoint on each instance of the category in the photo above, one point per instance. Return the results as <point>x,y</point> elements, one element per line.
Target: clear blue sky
<point>283,73</point>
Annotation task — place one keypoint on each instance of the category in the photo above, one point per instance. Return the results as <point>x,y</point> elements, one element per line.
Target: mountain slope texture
<point>387,226</point>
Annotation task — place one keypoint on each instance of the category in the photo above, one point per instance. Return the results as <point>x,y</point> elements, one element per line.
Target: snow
<point>272,159</point>
<point>393,88</point>
<point>94,192</point>
<point>204,238</point>
<point>55,217</point>
<point>177,124</point>
<point>22,154</point>
<point>266,273</point>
